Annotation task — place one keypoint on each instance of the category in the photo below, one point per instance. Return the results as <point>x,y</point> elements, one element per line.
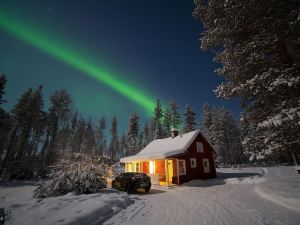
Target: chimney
<point>174,132</point>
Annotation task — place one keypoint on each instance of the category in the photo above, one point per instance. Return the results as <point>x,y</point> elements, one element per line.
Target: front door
<point>170,170</point>
<point>206,166</point>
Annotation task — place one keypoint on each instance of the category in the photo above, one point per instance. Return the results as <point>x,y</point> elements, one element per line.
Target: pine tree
<point>58,116</point>
<point>189,119</point>
<point>147,135</point>
<point>89,141</point>
<point>175,115</point>
<point>5,122</point>
<point>101,140</point>
<point>79,135</point>
<point>114,143</point>
<point>27,116</point>
<point>156,125</point>
<point>133,132</point>
<point>167,123</point>
<point>2,86</point>
<point>124,146</point>
<point>206,119</point>
<point>72,138</point>
<point>257,44</point>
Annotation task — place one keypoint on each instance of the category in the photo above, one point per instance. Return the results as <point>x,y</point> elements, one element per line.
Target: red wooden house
<point>174,160</point>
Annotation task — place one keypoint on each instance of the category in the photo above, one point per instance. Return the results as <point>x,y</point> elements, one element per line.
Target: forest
<point>32,139</point>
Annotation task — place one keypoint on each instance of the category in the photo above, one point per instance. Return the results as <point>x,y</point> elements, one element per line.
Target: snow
<point>247,196</point>
<point>231,198</point>
<point>68,209</point>
<point>162,148</point>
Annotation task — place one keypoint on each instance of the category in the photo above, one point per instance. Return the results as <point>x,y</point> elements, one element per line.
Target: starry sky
<point>150,47</point>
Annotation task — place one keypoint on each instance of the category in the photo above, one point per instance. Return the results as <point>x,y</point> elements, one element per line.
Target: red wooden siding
<point>198,172</point>
<point>145,167</point>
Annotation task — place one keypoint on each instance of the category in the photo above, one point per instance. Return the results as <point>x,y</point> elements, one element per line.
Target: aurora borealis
<point>112,56</point>
<point>57,50</point>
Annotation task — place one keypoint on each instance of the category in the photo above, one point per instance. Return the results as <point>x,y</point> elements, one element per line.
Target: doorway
<point>170,170</point>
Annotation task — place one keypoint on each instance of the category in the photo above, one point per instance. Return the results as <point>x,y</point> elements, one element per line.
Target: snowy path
<point>231,199</point>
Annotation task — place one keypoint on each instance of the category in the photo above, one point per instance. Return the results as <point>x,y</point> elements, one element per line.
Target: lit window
<point>193,163</point>
<point>199,147</point>
<point>128,167</point>
<point>137,167</point>
<point>152,167</point>
<point>181,167</point>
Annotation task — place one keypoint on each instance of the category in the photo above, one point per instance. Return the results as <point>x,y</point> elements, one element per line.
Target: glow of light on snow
<point>33,36</point>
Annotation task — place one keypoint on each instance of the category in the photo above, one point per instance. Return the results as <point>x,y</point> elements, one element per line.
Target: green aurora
<point>36,38</point>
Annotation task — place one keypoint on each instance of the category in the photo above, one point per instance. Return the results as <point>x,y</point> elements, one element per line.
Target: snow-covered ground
<point>237,196</point>
<point>230,199</point>
<point>67,209</point>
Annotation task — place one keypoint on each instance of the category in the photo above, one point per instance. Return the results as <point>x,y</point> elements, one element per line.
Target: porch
<point>162,172</point>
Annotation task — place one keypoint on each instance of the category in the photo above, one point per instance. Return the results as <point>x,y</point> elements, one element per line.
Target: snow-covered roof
<point>163,148</point>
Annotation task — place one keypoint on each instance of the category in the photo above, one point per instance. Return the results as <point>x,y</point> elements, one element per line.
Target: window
<point>137,167</point>
<point>199,147</point>
<point>193,163</point>
<point>128,167</point>
<point>206,166</point>
<point>181,167</point>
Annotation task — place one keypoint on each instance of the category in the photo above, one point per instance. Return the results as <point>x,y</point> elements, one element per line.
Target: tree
<point>2,86</point>
<point>147,135</point>
<point>5,122</point>
<point>79,135</point>
<point>189,119</point>
<point>257,44</point>
<point>27,117</point>
<point>58,115</point>
<point>133,133</point>
<point>156,125</point>
<point>167,122</point>
<point>101,140</point>
<point>124,145</point>
<point>89,141</point>
<point>175,115</point>
<point>114,143</point>
<point>206,119</point>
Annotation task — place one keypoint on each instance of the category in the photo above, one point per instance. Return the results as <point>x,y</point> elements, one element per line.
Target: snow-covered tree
<point>257,44</point>
<point>206,119</point>
<point>189,119</point>
<point>79,173</point>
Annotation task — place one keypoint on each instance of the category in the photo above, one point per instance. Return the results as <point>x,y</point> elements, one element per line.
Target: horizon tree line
<point>32,139</point>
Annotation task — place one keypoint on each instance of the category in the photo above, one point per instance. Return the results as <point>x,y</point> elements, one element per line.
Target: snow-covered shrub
<point>82,174</point>
<point>78,181</point>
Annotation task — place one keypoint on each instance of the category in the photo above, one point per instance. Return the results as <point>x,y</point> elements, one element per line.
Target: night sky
<point>151,46</point>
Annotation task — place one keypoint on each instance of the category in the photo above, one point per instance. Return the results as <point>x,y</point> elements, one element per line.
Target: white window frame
<point>200,147</point>
<point>184,167</point>
<point>193,162</point>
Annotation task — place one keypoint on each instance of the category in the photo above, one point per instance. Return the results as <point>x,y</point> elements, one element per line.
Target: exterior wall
<point>198,172</point>
<point>145,167</point>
